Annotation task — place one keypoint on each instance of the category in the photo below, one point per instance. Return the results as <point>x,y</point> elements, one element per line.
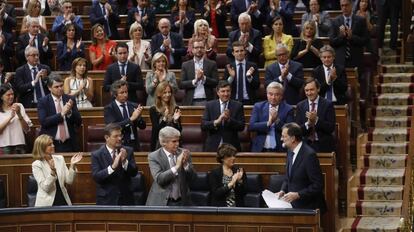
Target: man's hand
<point>45,42</point>
<point>272,116</point>
<point>67,108</point>
<point>199,74</point>
<point>332,75</point>
<point>231,70</point>
<point>285,71</point>
<point>123,154</point>
<point>290,196</point>
<point>137,112</point>
<point>312,117</point>
<point>166,43</point>
<point>250,71</point>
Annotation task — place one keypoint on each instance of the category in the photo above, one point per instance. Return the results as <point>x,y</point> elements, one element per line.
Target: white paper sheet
<point>273,202</point>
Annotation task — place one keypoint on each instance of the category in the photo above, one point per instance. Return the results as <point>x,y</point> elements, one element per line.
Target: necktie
<point>175,191</point>
<point>285,81</point>
<point>34,41</point>
<point>223,107</point>
<point>61,127</point>
<point>312,133</point>
<point>113,155</point>
<point>106,25</point>
<point>272,135</point>
<point>348,45</point>
<point>240,81</point>
<point>329,92</point>
<point>38,90</point>
<point>123,69</point>
<point>290,155</point>
<point>168,54</point>
<point>127,131</point>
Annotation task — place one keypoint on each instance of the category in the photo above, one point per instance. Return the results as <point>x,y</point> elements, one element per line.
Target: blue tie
<point>290,161</point>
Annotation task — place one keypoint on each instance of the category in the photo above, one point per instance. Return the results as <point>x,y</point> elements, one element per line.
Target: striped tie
<point>348,44</point>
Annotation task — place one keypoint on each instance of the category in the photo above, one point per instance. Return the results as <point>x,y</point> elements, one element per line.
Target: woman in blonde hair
<point>33,11</point>
<point>51,173</point>
<point>202,32</point>
<point>164,113</point>
<point>139,50</point>
<point>78,84</point>
<point>306,50</point>
<point>158,74</point>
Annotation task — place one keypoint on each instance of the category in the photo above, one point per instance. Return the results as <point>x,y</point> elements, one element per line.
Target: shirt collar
<point>297,148</point>
<point>55,98</point>
<point>221,102</point>
<point>109,149</point>
<point>241,62</point>
<point>120,63</point>
<point>326,67</point>
<point>316,100</point>
<point>119,103</point>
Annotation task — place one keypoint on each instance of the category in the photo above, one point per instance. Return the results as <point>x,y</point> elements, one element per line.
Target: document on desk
<point>273,202</point>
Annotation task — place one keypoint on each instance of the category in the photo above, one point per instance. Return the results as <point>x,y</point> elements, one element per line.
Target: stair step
<point>383,193</point>
<point>394,99</point>
<point>395,88</point>
<point>398,68</point>
<point>390,122</point>
<point>377,208</point>
<point>391,111</point>
<point>389,135</point>
<point>386,148</point>
<point>375,224</point>
<point>381,177</point>
<point>396,78</point>
<point>383,161</point>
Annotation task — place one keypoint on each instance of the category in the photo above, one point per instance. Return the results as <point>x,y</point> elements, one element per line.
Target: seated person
<point>70,48</point>
<point>78,84</point>
<point>228,181</point>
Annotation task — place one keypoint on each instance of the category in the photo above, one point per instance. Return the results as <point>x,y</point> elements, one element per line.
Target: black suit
<point>340,85</point>
<point>49,120</point>
<point>306,179</point>
<point>7,52</point>
<point>114,188</point>
<point>324,128</point>
<point>251,86</point>
<point>10,22</point>
<point>23,83</point>
<point>227,131</point>
<point>134,79</point>
<point>110,24</point>
<point>148,26</point>
<point>112,114</point>
<point>255,38</point>
<point>239,6</point>
<point>23,42</point>
<point>177,44</point>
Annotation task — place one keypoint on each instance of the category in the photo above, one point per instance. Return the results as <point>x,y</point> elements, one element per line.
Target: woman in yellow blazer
<point>271,41</point>
<point>51,173</point>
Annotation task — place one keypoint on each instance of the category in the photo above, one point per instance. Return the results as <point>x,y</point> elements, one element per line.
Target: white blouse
<point>13,134</point>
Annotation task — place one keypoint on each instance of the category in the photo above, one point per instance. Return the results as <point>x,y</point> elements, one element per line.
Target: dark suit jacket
<point>10,22</point>
<point>188,28</point>
<point>255,38</point>
<point>158,124</point>
<point>219,191</point>
<point>188,75</point>
<point>239,6</point>
<point>134,79</point>
<point>23,41</point>
<point>49,119</point>
<point>340,85</point>
<point>149,26</point>
<point>292,93</point>
<point>325,127</point>
<point>306,179</point>
<point>96,16</point>
<point>286,12</point>
<point>251,87</point>
<point>7,52</point>
<point>176,42</point>
<point>112,114</point>
<point>66,58</point>
<point>222,17</point>
<point>227,131</point>
<point>359,39</point>
<point>110,188</point>
<point>23,83</point>
<point>258,124</point>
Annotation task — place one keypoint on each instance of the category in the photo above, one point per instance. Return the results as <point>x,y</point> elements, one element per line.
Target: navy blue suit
<point>255,38</point>
<point>7,52</point>
<point>96,16</point>
<point>49,120</point>
<point>228,131</point>
<point>176,42</point>
<point>324,128</point>
<point>10,22</point>
<point>258,124</point>
<point>239,6</point>
<point>66,58</point>
<point>340,85</point>
<point>113,189</point>
<point>251,86</point>
<point>306,179</point>
<point>292,93</point>
<point>44,56</point>
<point>286,12</point>
<point>148,26</point>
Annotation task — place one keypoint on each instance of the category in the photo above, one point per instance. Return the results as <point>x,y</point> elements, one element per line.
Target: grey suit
<point>149,87</point>
<point>163,178</point>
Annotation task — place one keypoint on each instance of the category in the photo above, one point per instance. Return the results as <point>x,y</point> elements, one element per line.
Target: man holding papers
<point>303,184</point>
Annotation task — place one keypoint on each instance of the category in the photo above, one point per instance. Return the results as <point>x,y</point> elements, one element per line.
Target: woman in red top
<point>102,50</point>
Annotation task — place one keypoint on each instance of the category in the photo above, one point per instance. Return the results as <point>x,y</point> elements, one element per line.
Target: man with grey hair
<point>171,170</point>
<point>256,9</point>
<point>31,79</point>
<point>34,39</point>
<point>267,120</point>
<point>248,36</point>
<point>287,72</point>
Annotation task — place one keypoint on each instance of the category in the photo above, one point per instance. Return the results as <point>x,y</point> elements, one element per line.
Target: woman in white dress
<point>139,50</point>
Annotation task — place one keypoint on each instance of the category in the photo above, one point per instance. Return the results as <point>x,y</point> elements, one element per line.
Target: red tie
<point>312,133</point>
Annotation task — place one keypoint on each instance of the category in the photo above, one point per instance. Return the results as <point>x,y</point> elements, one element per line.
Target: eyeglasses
<point>282,54</point>
<point>35,55</point>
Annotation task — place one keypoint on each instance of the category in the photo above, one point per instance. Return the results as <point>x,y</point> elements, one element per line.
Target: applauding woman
<point>306,50</point>
<point>139,49</point>
<point>70,48</point>
<point>164,113</point>
<point>202,32</point>
<point>78,84</point>
<point>101,51</point>
<point>51,173</point>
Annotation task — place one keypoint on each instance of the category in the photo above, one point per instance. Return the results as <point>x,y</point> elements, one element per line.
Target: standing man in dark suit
<point>106,14</point>
<point>113,166</point>
<point>34,39</point>
<point>303,184</point>
<point>243,76</point>
<point>172,171</point>
<point>124,70</point>
<point>143,14</point>
<point>267,120</point>
<point>248,36</point>
<point>287,72</point>
<point>8,16</point>
<point>6,47</point>
<point>31,79</point>
<point>59,116</point>
<point>169,43</point>
<point>125,113</point>
<point>332,77</point>
<point>222,119</point>
<point>316,116</point>
<point>198,76</point>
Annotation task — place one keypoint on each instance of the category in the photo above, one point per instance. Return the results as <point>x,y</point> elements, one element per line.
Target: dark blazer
<point>188,75</point>
<point>123,6</point>
<point>112,114</point>
<point>292,93</point>
<point>66,58</point>
<point>340,85</point>
<point>227,131</point>
<point>325,127</point>
<point>255,38</point>
<point>96,16</point>
<point>219,191</point>
<point>49,119</point>
<point>176,42</point>
<point>10,22</point>
<point>44,56</point>
<point>7,52</point>
<point>258,124</point>
<point>134,79</point>
<point>309,60</point>
<point>112,189</point>
<point>158,124</point>
<point>286,12</point>
<point>251,87</point>
<point>239,6</point>
<point>188,28</point>
<point>306,179</point>
<point>148,26</point>
<point>360,37</point>
<point>23,83</point>
<point>222,17</point>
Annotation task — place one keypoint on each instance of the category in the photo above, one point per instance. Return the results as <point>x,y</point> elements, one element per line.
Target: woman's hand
<point>76,158</point>
<point>177,115</point>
